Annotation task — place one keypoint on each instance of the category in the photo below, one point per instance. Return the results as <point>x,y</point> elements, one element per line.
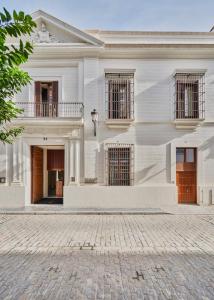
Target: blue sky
<point>175,15</point>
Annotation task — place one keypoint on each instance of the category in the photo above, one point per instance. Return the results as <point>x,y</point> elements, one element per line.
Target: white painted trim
<point>119,70</point>
<point>47,78</point>
<point>191,71</point>
<point>28,142</point>
<point>51,63</point>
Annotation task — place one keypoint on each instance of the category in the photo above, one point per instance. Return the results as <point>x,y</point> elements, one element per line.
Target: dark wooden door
<point>36,174</point>
<point>55,160</point>
<point>186,175</point>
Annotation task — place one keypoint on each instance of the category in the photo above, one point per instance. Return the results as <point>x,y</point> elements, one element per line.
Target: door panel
<point>55,160</point>
<point>51,183</point>
<point>60,184</point>
<point>36,174</point>
<point>186,183</point>
<point>59,188</point>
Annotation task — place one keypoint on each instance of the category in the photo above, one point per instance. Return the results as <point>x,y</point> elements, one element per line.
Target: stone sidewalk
<point>106,257</point>
<point>60,210</point>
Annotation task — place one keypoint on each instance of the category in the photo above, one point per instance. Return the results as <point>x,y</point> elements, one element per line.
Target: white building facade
<point>152,142</point>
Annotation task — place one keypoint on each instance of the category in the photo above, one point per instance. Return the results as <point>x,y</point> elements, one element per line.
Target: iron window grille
<point>190,94</point>
<point>119,89</point>
<point>119,164</point>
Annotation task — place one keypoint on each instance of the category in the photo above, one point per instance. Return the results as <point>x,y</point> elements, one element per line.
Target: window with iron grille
<point>119,95</point>
<point>119,164</point>
<point>190,91</point>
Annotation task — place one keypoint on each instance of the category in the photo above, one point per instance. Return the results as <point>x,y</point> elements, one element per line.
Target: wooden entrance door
<point>36,174</point>
<point>186,175</point>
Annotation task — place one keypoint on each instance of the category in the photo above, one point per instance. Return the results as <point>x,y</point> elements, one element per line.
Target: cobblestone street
<point>106,257</point>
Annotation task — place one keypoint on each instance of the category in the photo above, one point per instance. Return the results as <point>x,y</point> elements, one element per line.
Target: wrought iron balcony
<point>51,109</point>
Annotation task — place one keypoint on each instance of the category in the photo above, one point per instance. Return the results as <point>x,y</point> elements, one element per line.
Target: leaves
<point>8,135</point>
<point>12,78</point>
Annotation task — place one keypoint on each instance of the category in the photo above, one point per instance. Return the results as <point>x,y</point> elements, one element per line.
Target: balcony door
<point>46,98</point>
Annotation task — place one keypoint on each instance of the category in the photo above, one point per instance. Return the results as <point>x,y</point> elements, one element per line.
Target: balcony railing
<point>51,109</point>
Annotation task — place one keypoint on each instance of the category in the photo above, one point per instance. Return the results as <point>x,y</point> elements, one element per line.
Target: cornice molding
<point>46,53</point>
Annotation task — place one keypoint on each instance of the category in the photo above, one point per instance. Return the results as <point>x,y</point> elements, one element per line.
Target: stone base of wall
<point>109,197</point>
<point>12,196</point>
<point>205,195</point>
<point>119,197</point>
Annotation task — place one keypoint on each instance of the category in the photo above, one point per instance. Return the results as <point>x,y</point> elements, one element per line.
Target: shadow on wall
<point>155,101</point>
<point>100,164</point>
<point>157,134</point>
<point>142,176</point>
<point>144,134</point>
<point>148,108</point>
<point>2,160</point>
<point>208,145</point>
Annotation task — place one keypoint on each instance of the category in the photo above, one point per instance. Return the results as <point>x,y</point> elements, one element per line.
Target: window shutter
<point>55,91</point>
<point>195,100</point>
<point>37,110</point>
<point>37,91</point>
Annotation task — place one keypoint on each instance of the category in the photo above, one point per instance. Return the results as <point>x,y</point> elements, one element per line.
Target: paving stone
<point>133,257</point>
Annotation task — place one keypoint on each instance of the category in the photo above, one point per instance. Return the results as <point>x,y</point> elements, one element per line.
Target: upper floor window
<point>119,95</point>
<point>119,163</point>
<point>190,90</point>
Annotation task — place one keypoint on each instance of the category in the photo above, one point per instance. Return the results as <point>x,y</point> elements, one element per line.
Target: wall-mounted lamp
<point>94,117</point>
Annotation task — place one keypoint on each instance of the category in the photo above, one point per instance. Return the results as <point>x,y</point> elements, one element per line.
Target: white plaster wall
<point>3,160</point>
<point>67,77</point>
<point>119,197</point>
<point>153,133</point>
<point>12,196</point>
<point>91,99</point>
<point>154,85</point>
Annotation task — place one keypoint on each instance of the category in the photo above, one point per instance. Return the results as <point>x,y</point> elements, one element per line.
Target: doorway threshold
<point>51,201</point>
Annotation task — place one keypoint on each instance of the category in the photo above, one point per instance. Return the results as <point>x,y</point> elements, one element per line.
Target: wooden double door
<point>55,169</point>
<point>186,175</point>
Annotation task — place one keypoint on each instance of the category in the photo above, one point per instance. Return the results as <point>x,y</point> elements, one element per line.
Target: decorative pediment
<point>52,30</point>
<point>42,35</point>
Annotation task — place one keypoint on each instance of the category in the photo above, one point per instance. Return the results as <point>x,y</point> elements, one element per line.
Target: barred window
<point>190,90</point>
<point>119,95</point>
<point>119,164</point>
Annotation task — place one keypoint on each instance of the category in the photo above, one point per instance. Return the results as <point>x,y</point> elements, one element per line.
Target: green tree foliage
<point>12,78</point>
